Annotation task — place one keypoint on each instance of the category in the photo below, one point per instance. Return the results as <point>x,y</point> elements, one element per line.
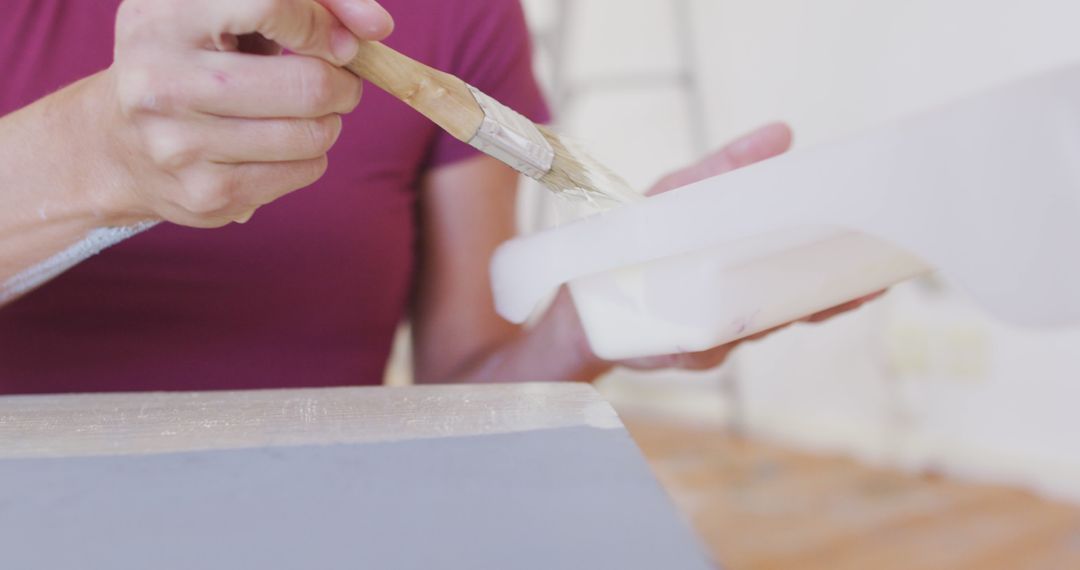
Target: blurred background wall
<point>919,379</point>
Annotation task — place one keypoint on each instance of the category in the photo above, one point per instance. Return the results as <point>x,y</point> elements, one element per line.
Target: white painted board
<point>987,190</point>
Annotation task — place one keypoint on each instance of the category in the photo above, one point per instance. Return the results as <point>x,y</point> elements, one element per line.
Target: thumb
<point>307,27</point>
<point>760,144</point>
<point>765,142</point>
<point>366,19</point>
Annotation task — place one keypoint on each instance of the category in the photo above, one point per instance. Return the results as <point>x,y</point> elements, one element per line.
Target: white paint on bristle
<point>563,166</point>
<point>583,178</point>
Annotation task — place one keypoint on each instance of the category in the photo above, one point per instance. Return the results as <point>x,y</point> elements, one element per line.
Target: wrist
<point>94,171</point>
<point>586,365</point>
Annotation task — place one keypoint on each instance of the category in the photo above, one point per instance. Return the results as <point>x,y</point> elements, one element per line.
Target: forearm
<point>56,183</point>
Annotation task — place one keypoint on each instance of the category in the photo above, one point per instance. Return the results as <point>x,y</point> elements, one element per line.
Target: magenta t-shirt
<point>310,291</point>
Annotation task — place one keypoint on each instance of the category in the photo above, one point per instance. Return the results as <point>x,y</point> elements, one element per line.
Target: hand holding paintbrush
<point>187,126</point>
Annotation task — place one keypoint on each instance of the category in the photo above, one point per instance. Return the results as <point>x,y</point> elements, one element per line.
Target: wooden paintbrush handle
<point>439,96</point>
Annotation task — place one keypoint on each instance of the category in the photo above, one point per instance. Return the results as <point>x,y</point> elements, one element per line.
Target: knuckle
<point>132,88</point>
<point>311,41</point>
<point>141,90</point>
<point>130,17</point>
<point>263,12</point>
<point>171,151</point>
<point>317,87</point>
<point>268,16</point>
<point>207,196</point>
<point>321,134</point>
<point>146,20</point>
<point>274,8</point>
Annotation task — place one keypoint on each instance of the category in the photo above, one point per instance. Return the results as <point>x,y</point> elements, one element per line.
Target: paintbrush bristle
<point>574,173</point>
<point>535,151</point>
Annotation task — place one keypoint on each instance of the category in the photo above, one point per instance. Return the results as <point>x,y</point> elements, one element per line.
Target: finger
<point>765,333</point>
<point>245,217</point>
<point>365,18</point>
<point>846,307</point>
<point>258,184</point>
<point>873,296</point>
<point>706,360</point>
<point>835,311</point>
<point>703,360</point>
<point>217,194</point>
<point>244,85</point>
<point>301,26</point>
<point>763,143</point>
<point>647,363</point>
<point>235,141</point>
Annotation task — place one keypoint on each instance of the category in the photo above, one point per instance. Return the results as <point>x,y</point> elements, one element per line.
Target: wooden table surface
<point>760,506</point>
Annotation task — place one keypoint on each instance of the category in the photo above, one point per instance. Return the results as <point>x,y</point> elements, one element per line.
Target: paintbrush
<point>472,117</point>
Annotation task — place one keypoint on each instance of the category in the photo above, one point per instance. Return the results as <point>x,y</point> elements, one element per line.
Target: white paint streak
<point>96,424</point>
<point>95,242</point>
<point>601,415</point>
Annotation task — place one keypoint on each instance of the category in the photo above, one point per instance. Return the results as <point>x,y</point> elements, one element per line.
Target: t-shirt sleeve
<point>493,54</point>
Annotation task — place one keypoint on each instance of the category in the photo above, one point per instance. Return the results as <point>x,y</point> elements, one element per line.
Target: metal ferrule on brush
<point>511,138</point>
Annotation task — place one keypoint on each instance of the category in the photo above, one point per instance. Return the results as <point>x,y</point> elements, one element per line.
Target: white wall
<point>921,378</point>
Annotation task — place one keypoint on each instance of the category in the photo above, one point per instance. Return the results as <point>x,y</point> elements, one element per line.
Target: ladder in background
<point>553,43</point>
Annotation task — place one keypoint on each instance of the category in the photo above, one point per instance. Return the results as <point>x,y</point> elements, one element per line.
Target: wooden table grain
<point>762,507</point>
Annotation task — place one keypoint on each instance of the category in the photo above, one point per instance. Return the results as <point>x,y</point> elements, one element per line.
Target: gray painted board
<point>567,498</point>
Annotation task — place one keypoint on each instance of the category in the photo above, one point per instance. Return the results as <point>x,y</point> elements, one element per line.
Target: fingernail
<point>243,219</point>
<point>743,144</point>
<point>761,137</point>
<point>344,44</point>
<point>368,19</point>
